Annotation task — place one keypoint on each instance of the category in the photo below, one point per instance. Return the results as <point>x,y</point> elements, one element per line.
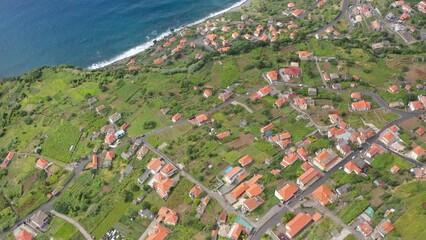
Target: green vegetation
<point>353,210</point>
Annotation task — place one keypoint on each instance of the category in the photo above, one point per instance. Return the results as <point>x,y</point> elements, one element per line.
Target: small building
<point>146,213</point>
<point>286,192</point>
<point>323,195</point>
<point>384,227</point>
<point>39,219</point>
<point>245,160</point>
<point>308,177</point>
<point>42,164</point>
<point>114,118</point>
<point>158,233</point>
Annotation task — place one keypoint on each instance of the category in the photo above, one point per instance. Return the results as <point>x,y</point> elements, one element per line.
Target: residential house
<point>158,233</point>
<point>308,177</point>
<point>266,128</point>
<point>155,165</point>
<point>415,105</point>
<point>7,160</point>
<point>195,192</point>
<point>289,160</point>
<point>374,149</point>
<point>302,153</point>
<point>393,89</point>
<point>176,117</point>
<point>42,164</point>
<point>142,152</point>
<point>146,213</point>
<point>163,187</point>
<point>94,163</point>
<point>295,225</point>
<point>384,227</point>
<point>304,55</point>
<point>360,106</point>
<point>223,135</point>
<point>168,170</point>
<point>198,120</point>
<point>114,118</point>
<point>110,139</point>
<point>167,216</point>
<point>417,152</point>
<point>356,96</point>
<point>23,235</point>
<point>245,160</point>
<point>207,93</point>
<point>388,137</point>
<point>394,169</point>
<point>234,174</point>
<point>39,219</point>
<point>225,95</point>
<point>323,195</point>
<point>272,76</point>
<point>335,118</point>
<point>303,103</point>
<point>251,203</point>
<point>235,231</point>
<point>325,159</point>
<point>364,228</point>
<point>264,91</point>
<point>352,167</point>
<point>99,109</point>
<point>280,102</point>
<point>286,192</point>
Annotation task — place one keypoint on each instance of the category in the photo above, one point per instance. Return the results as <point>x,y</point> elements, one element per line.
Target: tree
<point>150,125</point>
<point>127,196</point>
<point>287,217</point>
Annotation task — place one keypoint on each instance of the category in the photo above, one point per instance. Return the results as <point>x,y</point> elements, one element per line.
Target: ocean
<point>89,33</point>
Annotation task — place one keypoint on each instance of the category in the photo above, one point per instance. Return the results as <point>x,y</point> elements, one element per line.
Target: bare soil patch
<point>289,48</point>
<point>28,182</point>
<point>416,72</point>
<point>244,140</point>
<point>106,189</point>
<point>326,66</point>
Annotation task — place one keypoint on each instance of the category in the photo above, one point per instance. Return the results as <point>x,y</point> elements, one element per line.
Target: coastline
<point>147,45</point>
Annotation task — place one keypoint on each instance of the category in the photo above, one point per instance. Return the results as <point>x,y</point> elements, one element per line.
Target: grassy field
<point>58,143</point>
<point>62,230</point>
<point>112,218</point>
<point>413,196</point>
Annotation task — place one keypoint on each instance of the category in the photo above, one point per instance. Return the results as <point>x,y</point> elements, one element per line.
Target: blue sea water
<point>36,33</point>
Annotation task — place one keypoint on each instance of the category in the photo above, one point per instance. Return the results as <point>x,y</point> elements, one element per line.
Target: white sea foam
<point>145,46</point>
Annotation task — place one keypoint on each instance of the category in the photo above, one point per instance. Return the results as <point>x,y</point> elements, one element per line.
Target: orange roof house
<point>286,192</point>
<point>159,61</point>
<point>154,165</point>
<point>325,159</point>
<point>168,216</point>
<point>168,170</point>
<point>109,155</point>
<point>176,117</point>
<point>235,231</point>
<point>416,105</point>
<point>245,160</point>
<point>393,89</point>
<point>264,91</point>
<point>295,225</point>
<point>42,164</point>
<point>308,177</point>
<point>356,96</point>
<point>24,235</point>
<point>158,233</point>
<point>289,160</point>
<point>252,203</point>
<point>94,164</point>
<point>364,228</point>
<point>232,175</point>
<point>223,135</point>
<point>7,160</point>
<point>207,93</point>
<point>323,195</point>
<point>303,153</point>
<point>163,187</point>
<point>266,128</point>
<point>417,152</point>
<point>352,167</point>
<point>254,190</point>
<point>384,227</point>
<point>360,106</point>
<point>195,192</point>
<point>280,102</point>
<point>297,12</point>
<point>317,216</point>
<point>394,169</point>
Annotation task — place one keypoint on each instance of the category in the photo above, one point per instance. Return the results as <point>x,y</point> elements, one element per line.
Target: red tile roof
<point>298,223</point>
<point>288,191</point>
<point>323,194</point>
<point>159,233</point>
<point>245,160</point>
<point>308,176</point>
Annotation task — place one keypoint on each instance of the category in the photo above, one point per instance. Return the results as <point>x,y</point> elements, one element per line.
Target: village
<point>276,147</point>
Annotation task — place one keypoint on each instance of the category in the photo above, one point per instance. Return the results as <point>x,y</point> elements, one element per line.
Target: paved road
<point>345,6</point>
<point>275,219</point>
<point>148,229</point>
<point>407,159</point>
<point>48,206</point>
<point>73,222</point>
